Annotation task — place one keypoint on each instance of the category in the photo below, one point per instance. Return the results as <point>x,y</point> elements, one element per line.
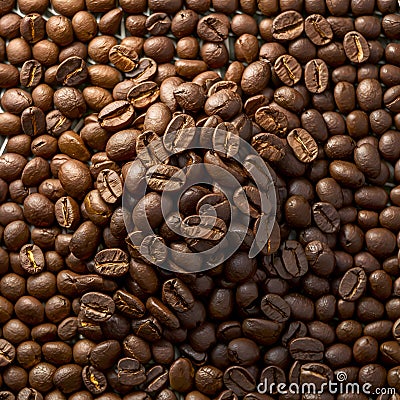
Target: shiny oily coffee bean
<point>109,185</point>
<point>72,72</point>
<point>318,29</point>
<point>203,227</point>
<point>7,353</point>
<point>130,372</point>
<point>97,306</point>
<point>111,262</point>
<point>316,76</point>
<point>143,94</point>
<point>275,308</point>
<point>31,73</point>
<point>67,212</point>
<point>287,25</point>
<point>288,69</point>
<point>272,120</point>
<point>356,47</point>
<point>303,145</point>
<point>353,284</point>
<point>33,121</point>
<point>116,115</point>
<point>94,380</point>
<point>162,177</point>
<point>269,146</point>
<point>128,304</point>
<point>31,259</point>
<point>326,217</point>
<point>306,349</point>
<point>124,58</point>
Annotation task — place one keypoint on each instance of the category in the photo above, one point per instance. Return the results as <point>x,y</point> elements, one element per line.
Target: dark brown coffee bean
<point>306,349</point>
<point>275,308</point>
<point>294,262</point>
<point>111,262</point>
<point>303,145</point>
<point>7,352</point>
<point>116,116</point>
<point>269,146</point>
<point>318,29</point>
<point>212,29</point>
<point>239,380</point>
<point>94,380</point>
<point>33,121</point>
<point>97,307</point>
<point>347,174</point>
<point>177,295</point>
<point>287,25</point>
<point>326,217</point>
<point>32,259</point>
<point>353,284</point>
<point>255,77</point>
<point>288,69</point>
<point>130,372</point>
<point>109,185</point>
<point>316,76</point>
<point>72,72</point>
<point>31,73</point>
<point>272,120</point>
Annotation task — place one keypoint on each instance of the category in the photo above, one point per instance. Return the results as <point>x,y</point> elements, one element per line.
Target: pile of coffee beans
<point>312,85</point>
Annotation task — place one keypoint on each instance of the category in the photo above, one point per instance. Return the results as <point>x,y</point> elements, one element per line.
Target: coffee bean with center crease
<point>318,29</point>
<point>116,115</point>
<point>212,29</point>
<point>316,76</point>
<point>94,380</point>
<point>353,284</point>
<point>111,262</point>
<point>109,185</point>
<point>143,94</point>
<point>287,25</point>
<point>124,58</point>
<point>130,372</point>
<point>356,47</point>
<point>303,145</point>
<point>32,27</point>
<point>31,73</point>
<point>32,259</point>
<point>239,380</point>
<point>203,227</point>
<point>33,121</point>
<point>275,308</point>
<point>306,349</point>
<point>163,177</point>
<point>288,69</point>
<point>128,304</point>
<point>144,71</point>
<point>67,212</point>
<point>7,353</point>
<point>177,295</point>
<point>179,133</point>
<point>294,260</point>
<point>97,307</point>
<point>272,120</point>
<point>72,72</point>
<point>326,217</point>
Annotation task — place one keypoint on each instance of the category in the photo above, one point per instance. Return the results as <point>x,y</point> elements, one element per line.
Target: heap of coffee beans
<point>312,85</point>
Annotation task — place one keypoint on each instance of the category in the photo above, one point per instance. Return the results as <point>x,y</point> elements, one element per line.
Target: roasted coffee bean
<point>239,380</point>
<point>31,73</point>
<point>306,349</point>
<point>162,178</point>
<point>177,295</point>
<point>212,29</point>
<point>288,25</point>
<point>32,259</point>
<point>318,29</point>
<point>116,115</point>
<point>326,217</point>
<point>72,72</point>
<point>97,307</point>
<point>303,145</point>
<point>7,352</point>
<point>33,121</point>
<point>111,262</point>
<point>272,120</point>
<point>143,94</point>
<point>353,284</point>
<point>275,308</point>
<point>316,76</point>
<point>94,380</point>
<point>356,47</point>
<point>123,57</point>
<point>294,262</point>
<point>109,185</point>
<point>130,372</point>
<point>288,69</point>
